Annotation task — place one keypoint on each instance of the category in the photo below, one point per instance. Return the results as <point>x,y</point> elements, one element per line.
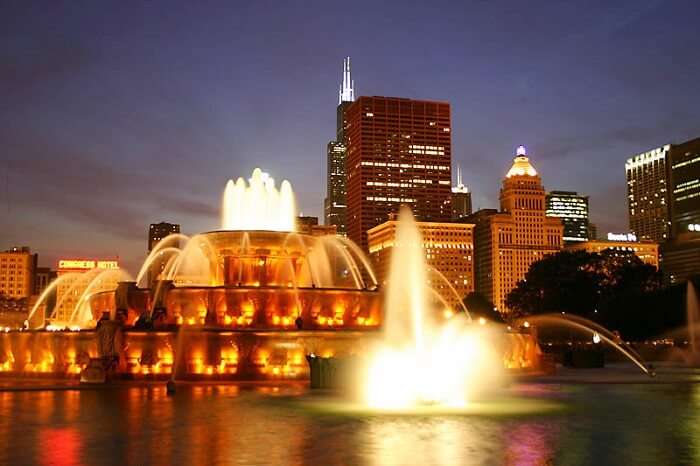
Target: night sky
<point>113,116</point>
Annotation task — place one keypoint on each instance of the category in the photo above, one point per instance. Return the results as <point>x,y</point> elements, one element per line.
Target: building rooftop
<point>521,164</point>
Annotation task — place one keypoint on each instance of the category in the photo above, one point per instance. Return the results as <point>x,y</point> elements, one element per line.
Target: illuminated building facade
<point>647,251</point>
<point>647,194</point>
<point>335,204</point>
<point>71,288</point>
<point>685,188</point>
<point>572,209</point>
<point>449,249</point>
<point>461,199</point>
<point>17,268</point>
<point>398,152</point>
<point>509,240</point>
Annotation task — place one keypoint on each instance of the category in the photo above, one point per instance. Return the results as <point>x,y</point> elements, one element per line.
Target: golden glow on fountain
<point>424,360</point>
<point>258,204</point>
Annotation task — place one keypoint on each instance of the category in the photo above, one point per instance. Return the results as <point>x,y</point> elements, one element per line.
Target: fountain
<point>251,300</point>
<point>422,360</point>
<point>247,301</point>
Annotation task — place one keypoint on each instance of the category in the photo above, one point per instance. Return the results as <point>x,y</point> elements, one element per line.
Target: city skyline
<point>157,140</point>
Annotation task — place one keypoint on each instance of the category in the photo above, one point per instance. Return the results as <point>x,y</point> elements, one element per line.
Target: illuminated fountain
<point>423,359</point>
<point>248,301</point>
<point>253,299</point>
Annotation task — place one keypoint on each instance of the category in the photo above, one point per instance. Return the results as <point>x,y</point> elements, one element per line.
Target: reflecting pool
<point>621,423</point>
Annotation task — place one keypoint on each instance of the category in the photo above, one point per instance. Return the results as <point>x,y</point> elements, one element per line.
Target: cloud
<point>83,188</point>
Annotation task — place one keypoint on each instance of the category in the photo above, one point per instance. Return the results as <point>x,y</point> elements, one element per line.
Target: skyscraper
<point>572,209</point>
<point>334,205</point>
<point>685,187</point>
<point>461,199</point>
<point>507,242</point>
<point>663,191</point>
<point>647,194</point>
<point>398,152</point>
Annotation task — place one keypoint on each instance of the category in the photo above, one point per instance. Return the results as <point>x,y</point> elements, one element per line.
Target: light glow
<point>422,361</point>
<point>258,205</point>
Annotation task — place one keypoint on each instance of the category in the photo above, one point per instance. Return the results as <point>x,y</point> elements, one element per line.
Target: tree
<point>562,282</point>
<point>614,288</point>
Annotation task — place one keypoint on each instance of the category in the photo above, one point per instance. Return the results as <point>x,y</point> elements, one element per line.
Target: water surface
<point>616,424</point>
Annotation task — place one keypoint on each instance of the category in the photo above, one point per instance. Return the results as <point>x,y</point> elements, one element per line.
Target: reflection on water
<point>63,446</point>
<point>229,424</point>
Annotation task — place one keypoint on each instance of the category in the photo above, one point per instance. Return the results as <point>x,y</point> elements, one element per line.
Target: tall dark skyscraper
<point>334,205</point>
<point>647,194</point>
<point>663,191</point>
<point>572,209</point>
<point>685,187</point>
<point>398,152</point>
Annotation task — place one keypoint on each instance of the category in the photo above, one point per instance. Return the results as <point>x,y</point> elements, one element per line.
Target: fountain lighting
<point>258,204</point>
<point>422,361</point>
<point>588,326</point>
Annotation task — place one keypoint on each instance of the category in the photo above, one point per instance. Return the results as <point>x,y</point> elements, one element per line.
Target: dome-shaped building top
<point>521,164</point>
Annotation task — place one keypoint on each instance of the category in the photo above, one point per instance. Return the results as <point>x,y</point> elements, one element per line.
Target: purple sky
<point>116,115</point>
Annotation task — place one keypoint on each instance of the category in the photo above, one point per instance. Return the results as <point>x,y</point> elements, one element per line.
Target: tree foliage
<point>613,288</point>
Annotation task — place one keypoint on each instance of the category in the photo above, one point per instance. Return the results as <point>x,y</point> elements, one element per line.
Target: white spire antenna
<point>347,88</point>
<point>460,188</point>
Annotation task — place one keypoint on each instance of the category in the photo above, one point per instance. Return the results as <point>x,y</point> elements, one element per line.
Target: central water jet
<point>422,361</point>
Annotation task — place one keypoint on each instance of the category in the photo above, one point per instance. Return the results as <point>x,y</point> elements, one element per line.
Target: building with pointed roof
<point>334,205</point>
<point>509,240</point>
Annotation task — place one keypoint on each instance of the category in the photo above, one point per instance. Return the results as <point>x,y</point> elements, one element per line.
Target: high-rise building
<point>398,152</point>
<point>70,289</point>
<point>334,205</point>
<point>685,187</point>
<point>572,209</point>
<point>449,249</point>
<point>663,191</point>
<point>680,258</point>
<point>158,231</point>
<point>507,242</point>
<point>647,194</point>
<point>461,199</point>
<point>17,266</point>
